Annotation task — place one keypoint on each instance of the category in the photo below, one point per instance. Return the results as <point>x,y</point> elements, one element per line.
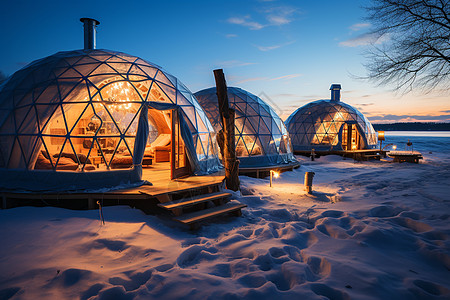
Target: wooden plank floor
<point>159,175</point>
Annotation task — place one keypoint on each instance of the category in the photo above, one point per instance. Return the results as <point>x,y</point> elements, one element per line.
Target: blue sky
<point>287,52</point>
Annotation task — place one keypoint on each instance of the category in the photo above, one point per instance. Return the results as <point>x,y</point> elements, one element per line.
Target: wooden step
<point>195,217</point>
<point>373,156</point>
<point>194,200</point>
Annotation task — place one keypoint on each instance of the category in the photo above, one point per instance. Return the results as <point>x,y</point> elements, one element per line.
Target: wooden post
<point>227,117</point>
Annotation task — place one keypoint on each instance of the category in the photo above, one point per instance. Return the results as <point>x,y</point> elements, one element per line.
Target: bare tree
<point>416,51</point>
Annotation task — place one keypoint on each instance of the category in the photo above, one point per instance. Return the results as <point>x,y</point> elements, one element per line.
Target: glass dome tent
<point>327,125</point>
<point>86,118</point>
<point>261,137</point>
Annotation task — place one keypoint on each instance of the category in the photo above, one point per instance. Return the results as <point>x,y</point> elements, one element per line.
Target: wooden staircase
<point>193,210</point>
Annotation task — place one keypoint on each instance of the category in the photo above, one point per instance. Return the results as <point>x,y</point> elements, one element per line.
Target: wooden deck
<point>159,175</point>
<point>363,154</point>
<point>161,189</point>
<point>261,172</point>
<point>187,199</point>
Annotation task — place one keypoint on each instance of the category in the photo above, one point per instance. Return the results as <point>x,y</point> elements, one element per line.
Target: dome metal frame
<point>261,137</point>
<point>319,124</point>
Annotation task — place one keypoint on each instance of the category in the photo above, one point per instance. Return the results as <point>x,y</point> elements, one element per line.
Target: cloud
<point>269,48</point>
<point>238,80</point>
<point>286,95</point>
<point>231,35</point>
<point>290,76</point>
<point>251,79</point>
<point>274,16</point>
<point>445,111</point>
<point>359,26</point>
<point>280,15</point>
<point>246,22</point>
<point>365,39</point>
<point>234,63</point>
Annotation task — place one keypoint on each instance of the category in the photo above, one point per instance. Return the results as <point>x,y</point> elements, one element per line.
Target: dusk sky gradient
<point>286,52</point>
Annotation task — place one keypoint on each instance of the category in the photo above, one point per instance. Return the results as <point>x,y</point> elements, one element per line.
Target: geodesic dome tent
<point>326,125</point>
<point>261,137</point>
<point>83,119</point>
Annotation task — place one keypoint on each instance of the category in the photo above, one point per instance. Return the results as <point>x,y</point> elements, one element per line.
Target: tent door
<point>179,162</point>
<point>351,140</point>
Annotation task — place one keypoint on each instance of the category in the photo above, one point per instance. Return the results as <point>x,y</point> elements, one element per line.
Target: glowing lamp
<point>273,174</point>
<point>381,135</point>
<point>354,147</point>
<point>394,147</point>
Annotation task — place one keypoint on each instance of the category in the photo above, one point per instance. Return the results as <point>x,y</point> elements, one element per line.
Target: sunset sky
<point>286,52</point>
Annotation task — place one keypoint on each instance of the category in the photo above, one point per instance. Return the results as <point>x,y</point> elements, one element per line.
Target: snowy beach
<point>370,230</point>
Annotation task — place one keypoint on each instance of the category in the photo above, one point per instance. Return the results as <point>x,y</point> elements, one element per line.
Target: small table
<point>146,161</point>
<point>406,156</point>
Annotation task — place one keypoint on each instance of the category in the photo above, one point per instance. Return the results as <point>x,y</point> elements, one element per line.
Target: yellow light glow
<point>394,147</point>
<point>354,147</point>
<point>275,174</point>
<point>381,135</point>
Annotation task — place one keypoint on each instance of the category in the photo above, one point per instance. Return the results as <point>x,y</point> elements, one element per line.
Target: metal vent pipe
<point>89,32</point>
<point>335,92</point>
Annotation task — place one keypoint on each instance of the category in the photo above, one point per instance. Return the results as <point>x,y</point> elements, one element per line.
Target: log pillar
<point>227,115</point>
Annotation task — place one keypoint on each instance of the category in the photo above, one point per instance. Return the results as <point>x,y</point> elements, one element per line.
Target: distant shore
<point>413,126</point>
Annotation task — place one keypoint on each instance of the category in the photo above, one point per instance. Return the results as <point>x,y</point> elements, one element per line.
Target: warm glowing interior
<point>84,135</point>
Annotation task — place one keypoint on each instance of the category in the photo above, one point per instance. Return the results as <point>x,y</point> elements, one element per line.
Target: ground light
<point>273,174</point>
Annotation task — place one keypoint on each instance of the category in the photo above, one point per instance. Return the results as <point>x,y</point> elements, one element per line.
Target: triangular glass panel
<point>167,93</point>
<point>72,60</point>
<point>16,160</point>
<point>73,115</point>
<point>49,95</point>
<point>241,150</point>
<point>6,143</point>
<point>201,143</point>
<point>121,68</point>
<point>266,143</point>
<point>149,71</point>
<point>135,70</point>
<point>251,125</point>
<point>70,73</point>
<point>100,55</point>
<point>66,159</point>
<point>160,77</point>
<point>201,127</point>
<point>117,59</point>
<point>126,57</point>
<point>66,86</point>
<point>255,108</point>
<point>275,128</point>
<point>84,69</point>
<point>103,69</point>
<point>87,60</point>
<point>29,124</point>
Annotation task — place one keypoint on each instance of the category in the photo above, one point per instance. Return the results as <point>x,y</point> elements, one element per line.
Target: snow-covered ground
<point>370,230</point>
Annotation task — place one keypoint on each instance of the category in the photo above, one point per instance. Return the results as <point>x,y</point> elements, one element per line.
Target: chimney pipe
<point>335,92</point>
<point>89,32</point>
